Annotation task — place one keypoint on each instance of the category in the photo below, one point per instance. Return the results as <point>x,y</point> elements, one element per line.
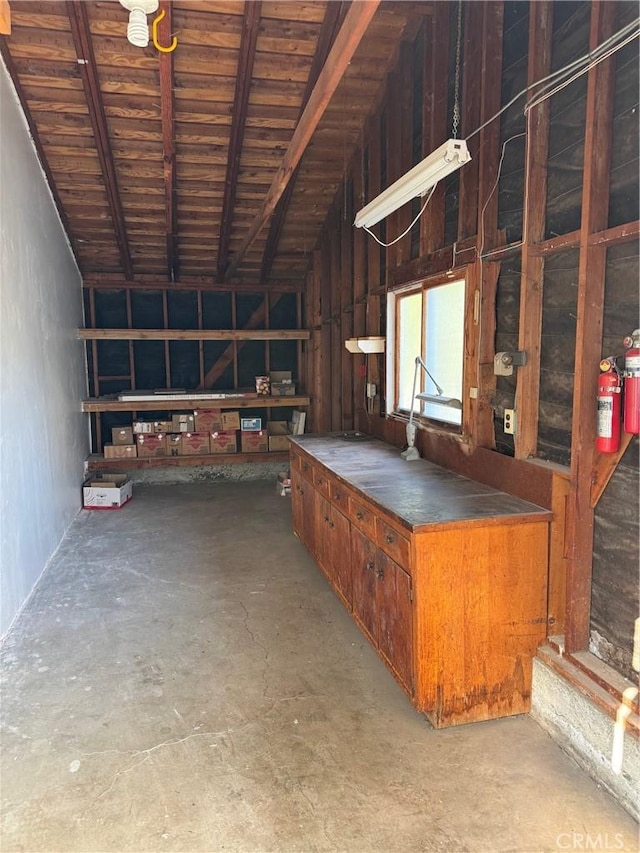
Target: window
<point>428,321</point>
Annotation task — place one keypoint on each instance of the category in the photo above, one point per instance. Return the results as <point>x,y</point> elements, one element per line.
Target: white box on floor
<point>107,491</point>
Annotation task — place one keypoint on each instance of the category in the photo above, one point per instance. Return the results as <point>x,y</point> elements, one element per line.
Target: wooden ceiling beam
<point>5,18</point>
<point>353,29</point>
<point>248,41</point>
<point>168,141</point>
<point>81,34</point>
<point>333,17</point>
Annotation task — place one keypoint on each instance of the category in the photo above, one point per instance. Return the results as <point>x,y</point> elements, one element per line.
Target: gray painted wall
<point>44,437</point>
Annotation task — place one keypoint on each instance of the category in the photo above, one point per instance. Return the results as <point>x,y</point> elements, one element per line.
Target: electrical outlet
<point>371,390</point>
<point>510,421</point>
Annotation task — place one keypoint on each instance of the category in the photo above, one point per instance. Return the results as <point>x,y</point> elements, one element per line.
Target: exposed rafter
<point>80,31</point>
<point>248,41</point>
<point>333,17</point>
<point>168,142</point>
<point>354,27</point>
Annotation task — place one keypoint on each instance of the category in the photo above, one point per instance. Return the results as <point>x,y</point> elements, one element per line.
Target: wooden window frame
<point>469,354</point>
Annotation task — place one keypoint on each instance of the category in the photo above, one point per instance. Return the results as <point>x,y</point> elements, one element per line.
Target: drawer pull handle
<point>326,519</point>
<point>380,573</point>
<point>359,516</point>
<point>389,538</point>
<point>299,490</point>
<point>331,525</point>
<point>368,566</point>
<point>305,466</point>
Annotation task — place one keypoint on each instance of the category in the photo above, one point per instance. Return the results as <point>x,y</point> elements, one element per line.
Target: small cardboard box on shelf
<point>142,427</point>
<point>278,432</point>
<point>254,442</point>
<point>194,443</point>
<point>207,420</point>
<point>120,451</point>
<point>152,445</point>
<point>106,491</point>
<point>183,423</point>
<point>230,420</point>
<point>251,424</point>
<point>163,426</point>
<point>174,444</point>
<point>122,435</point>
<point>224,442</point>
<point>282,385</point>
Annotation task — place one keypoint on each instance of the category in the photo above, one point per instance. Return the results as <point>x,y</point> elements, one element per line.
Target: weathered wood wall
<point>532,295</point>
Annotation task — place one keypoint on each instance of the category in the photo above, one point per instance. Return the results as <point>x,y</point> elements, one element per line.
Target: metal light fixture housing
<point>416,182</point>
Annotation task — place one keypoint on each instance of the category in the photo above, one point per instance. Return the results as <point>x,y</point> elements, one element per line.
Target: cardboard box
<point>296,425</point>
<point>152,445</point>
<point>107,491</point>
<point>282,385</point>
<point>208,420</point>
<point>263,384</point>
<point>194,443</point>
<point>251,424</point>
<point>254,442</point>
<point>163,426</point>
<point>223,442</point>
<point>142,427</point>
<point>230,420</point>
<point>122,435</point>
<point>278,433</point>
<point>120,451</point>
<point>183,423</point>
<point>174,445</point>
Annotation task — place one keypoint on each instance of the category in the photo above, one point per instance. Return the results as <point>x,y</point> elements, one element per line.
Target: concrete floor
<point>184,680</point>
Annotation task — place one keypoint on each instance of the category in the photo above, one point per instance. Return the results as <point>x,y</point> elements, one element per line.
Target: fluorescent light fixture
<point>416,182</point>
<point>367,345</point>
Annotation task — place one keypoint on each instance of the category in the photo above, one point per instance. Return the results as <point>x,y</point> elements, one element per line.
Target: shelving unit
<point>109,404</point>
<point>96,462</point>
<point>183,347</point>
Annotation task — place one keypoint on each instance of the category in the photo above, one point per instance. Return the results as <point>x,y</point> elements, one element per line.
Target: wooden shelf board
<point>103,404</point>
<point>194,334</point>
<point>97,462</point>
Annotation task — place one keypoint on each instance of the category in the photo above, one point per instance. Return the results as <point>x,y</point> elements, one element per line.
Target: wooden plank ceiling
<point>161,163</point>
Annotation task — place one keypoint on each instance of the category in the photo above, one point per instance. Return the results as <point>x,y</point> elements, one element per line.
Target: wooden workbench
<point>447,577</point>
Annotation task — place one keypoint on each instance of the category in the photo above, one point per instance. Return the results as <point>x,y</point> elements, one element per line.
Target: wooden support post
<point>359,303</point>
<point>535,200</point>
<point>473,53</point>
<point>167,351</point>
<point>590,310</point>
<point>376,274</point>
<point>346,308</point>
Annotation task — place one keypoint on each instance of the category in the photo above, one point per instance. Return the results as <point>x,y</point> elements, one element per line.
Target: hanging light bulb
<point>138,28</point>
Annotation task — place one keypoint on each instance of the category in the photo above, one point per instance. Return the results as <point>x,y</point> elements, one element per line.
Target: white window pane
<point>409,344</point>
<point>444,348</point>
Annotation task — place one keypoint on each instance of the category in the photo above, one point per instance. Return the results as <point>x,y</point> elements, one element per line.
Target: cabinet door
<point>298,486</point>
<point>395,617</point>
<point>363,559</point>
<point>341,555</point>
<point>309,515</point>
<point>323,534</point>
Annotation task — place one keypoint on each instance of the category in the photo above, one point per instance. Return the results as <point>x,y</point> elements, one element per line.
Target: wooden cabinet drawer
<point>321,482</point>
<point>393,543</point>
<point>362,517</point>
<point>340,497</point>
<point>305,468</point>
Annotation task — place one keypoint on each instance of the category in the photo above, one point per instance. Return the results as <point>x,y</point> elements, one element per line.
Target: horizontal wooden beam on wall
<point>109,282</point>
<point>110,404</point>
<point>194,334</point>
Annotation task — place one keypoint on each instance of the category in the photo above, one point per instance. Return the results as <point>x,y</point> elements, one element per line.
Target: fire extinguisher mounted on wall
<point>632,383</point>
<point>609,406</point>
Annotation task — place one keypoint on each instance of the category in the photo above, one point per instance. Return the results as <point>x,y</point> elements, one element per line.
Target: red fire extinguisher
<point>632,383</point>
<point>609,406</point>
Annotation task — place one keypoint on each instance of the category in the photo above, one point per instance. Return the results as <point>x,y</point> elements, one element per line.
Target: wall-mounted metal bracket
<point>504,362</point>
